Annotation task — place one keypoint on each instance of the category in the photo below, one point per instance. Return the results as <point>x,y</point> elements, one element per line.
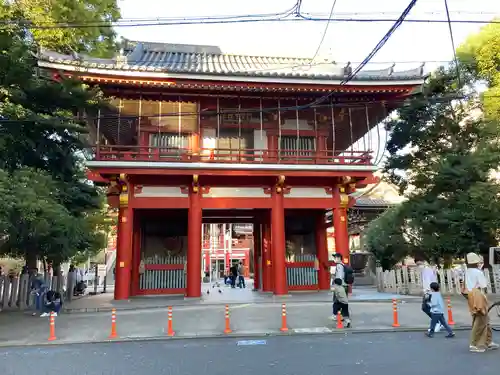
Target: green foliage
<point>389,237</point>
<point>92,19</point>
<point>480,55</point>
<point>36,221</point>
<point>57,215</point>
<point>441,156</point>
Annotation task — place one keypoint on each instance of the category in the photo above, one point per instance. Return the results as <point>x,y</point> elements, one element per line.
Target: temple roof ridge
<point>212,60</point>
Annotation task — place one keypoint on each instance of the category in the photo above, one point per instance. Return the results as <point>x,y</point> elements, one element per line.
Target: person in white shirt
<point>474,275</point>
<point>429,276</point>
<point>337,271</point>
<point>475,289</point>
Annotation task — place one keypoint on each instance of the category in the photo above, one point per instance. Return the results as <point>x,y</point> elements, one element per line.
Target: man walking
<point>241,275</point>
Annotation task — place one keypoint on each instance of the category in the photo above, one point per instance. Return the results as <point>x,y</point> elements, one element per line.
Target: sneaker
<point>450,335</point>
<point>493,346</point>
<point>54,314</point>
<point>333,317</point>
<point>43,315</point>
<point>475,349</point>
<point>429,335</point>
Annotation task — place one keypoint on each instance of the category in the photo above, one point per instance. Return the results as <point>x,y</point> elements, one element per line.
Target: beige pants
<point>481,331</point>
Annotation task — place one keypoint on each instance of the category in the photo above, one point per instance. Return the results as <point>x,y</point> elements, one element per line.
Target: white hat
<point>473,258</point>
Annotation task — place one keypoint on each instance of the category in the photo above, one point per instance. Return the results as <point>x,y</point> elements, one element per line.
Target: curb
<point>235,335</point>
<point>174,305</point>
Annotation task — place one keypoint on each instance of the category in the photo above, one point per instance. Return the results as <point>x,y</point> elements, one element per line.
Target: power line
<point>291,11</point>
<point>352,74</point>
<point>324,32</point>
<point>367,59</point>
<point>29,25</point>
<point>450,28</point>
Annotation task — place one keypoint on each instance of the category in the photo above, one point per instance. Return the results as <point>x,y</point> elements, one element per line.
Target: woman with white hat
<point>475,289</point>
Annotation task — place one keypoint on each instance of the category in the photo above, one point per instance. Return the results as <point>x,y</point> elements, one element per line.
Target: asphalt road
<point>358,354</point>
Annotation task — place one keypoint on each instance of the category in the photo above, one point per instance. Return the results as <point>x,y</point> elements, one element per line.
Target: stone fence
<point>16,293</point>
<point>408,280</point>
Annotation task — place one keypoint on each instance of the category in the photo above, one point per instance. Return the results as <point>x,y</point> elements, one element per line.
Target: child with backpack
<point>437,309</point>
<point>340,302</point>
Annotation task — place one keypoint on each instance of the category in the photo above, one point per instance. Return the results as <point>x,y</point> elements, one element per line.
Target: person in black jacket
<point>234,275</point>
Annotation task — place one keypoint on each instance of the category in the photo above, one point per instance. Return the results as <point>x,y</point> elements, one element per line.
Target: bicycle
<point>495,306</point>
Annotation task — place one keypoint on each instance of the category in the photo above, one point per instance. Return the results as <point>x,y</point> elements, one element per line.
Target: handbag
<point>425,301</point>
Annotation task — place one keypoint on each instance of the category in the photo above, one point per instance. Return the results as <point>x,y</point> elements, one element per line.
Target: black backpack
<point>348,274</point>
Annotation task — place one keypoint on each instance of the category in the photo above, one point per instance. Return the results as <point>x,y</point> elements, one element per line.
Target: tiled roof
<point>210,60</point>
<point>371,202</point>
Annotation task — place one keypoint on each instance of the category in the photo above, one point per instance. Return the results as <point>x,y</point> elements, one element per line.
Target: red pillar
<point>322,254</point>
<point>193,276</point>
<point>124,248</point>
<point>341,234</point>
<point>278,243</point>
<point>267,267</point>
<point>227,260</point>
<point>136,255</point>
<point>207,260</point>
<point>256,254</point>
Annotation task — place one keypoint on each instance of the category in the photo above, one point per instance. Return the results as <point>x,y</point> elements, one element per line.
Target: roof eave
<point>162,74</point>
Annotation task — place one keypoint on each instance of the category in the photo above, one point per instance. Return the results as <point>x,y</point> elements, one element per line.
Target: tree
<point>389,237</point>
<point>71,26</point>
<point>480,56</point>
<point>441,155</point>
<point>37,221</point>
<point>39,130</point>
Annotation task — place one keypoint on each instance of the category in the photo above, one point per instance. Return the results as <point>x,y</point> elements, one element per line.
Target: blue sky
<point>344,41</point>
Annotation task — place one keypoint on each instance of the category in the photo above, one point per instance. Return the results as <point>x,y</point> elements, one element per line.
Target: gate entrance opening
<point>228,238</point>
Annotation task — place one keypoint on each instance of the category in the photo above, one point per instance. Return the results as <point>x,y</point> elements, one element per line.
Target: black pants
<point>241,281</point>
<point>233,281</point>
<point>439,318</point>
<point>342,307</point>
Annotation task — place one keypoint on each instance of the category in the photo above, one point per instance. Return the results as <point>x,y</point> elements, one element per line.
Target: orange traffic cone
<point>450,313</point>
<point>52,327</point>
<point>284,327</point>
<point>395,313</point>
<point>227,330</point>
<point>113,334</point>
<point>340,325</point>
<point>170,328</point>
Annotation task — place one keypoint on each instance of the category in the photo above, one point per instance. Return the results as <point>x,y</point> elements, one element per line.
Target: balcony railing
<point>220,155</point>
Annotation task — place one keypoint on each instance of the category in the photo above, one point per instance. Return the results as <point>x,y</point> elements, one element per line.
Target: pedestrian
<point>234,275</point>
<point>241,275</point>
<point>38,290</point>
<point>340,302</point>
<point>343,272</point>
<point>428,275</point>
<point>52,305</point>
<point>337,271</point>
<point>437,307</point>
<point>475,290</point>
